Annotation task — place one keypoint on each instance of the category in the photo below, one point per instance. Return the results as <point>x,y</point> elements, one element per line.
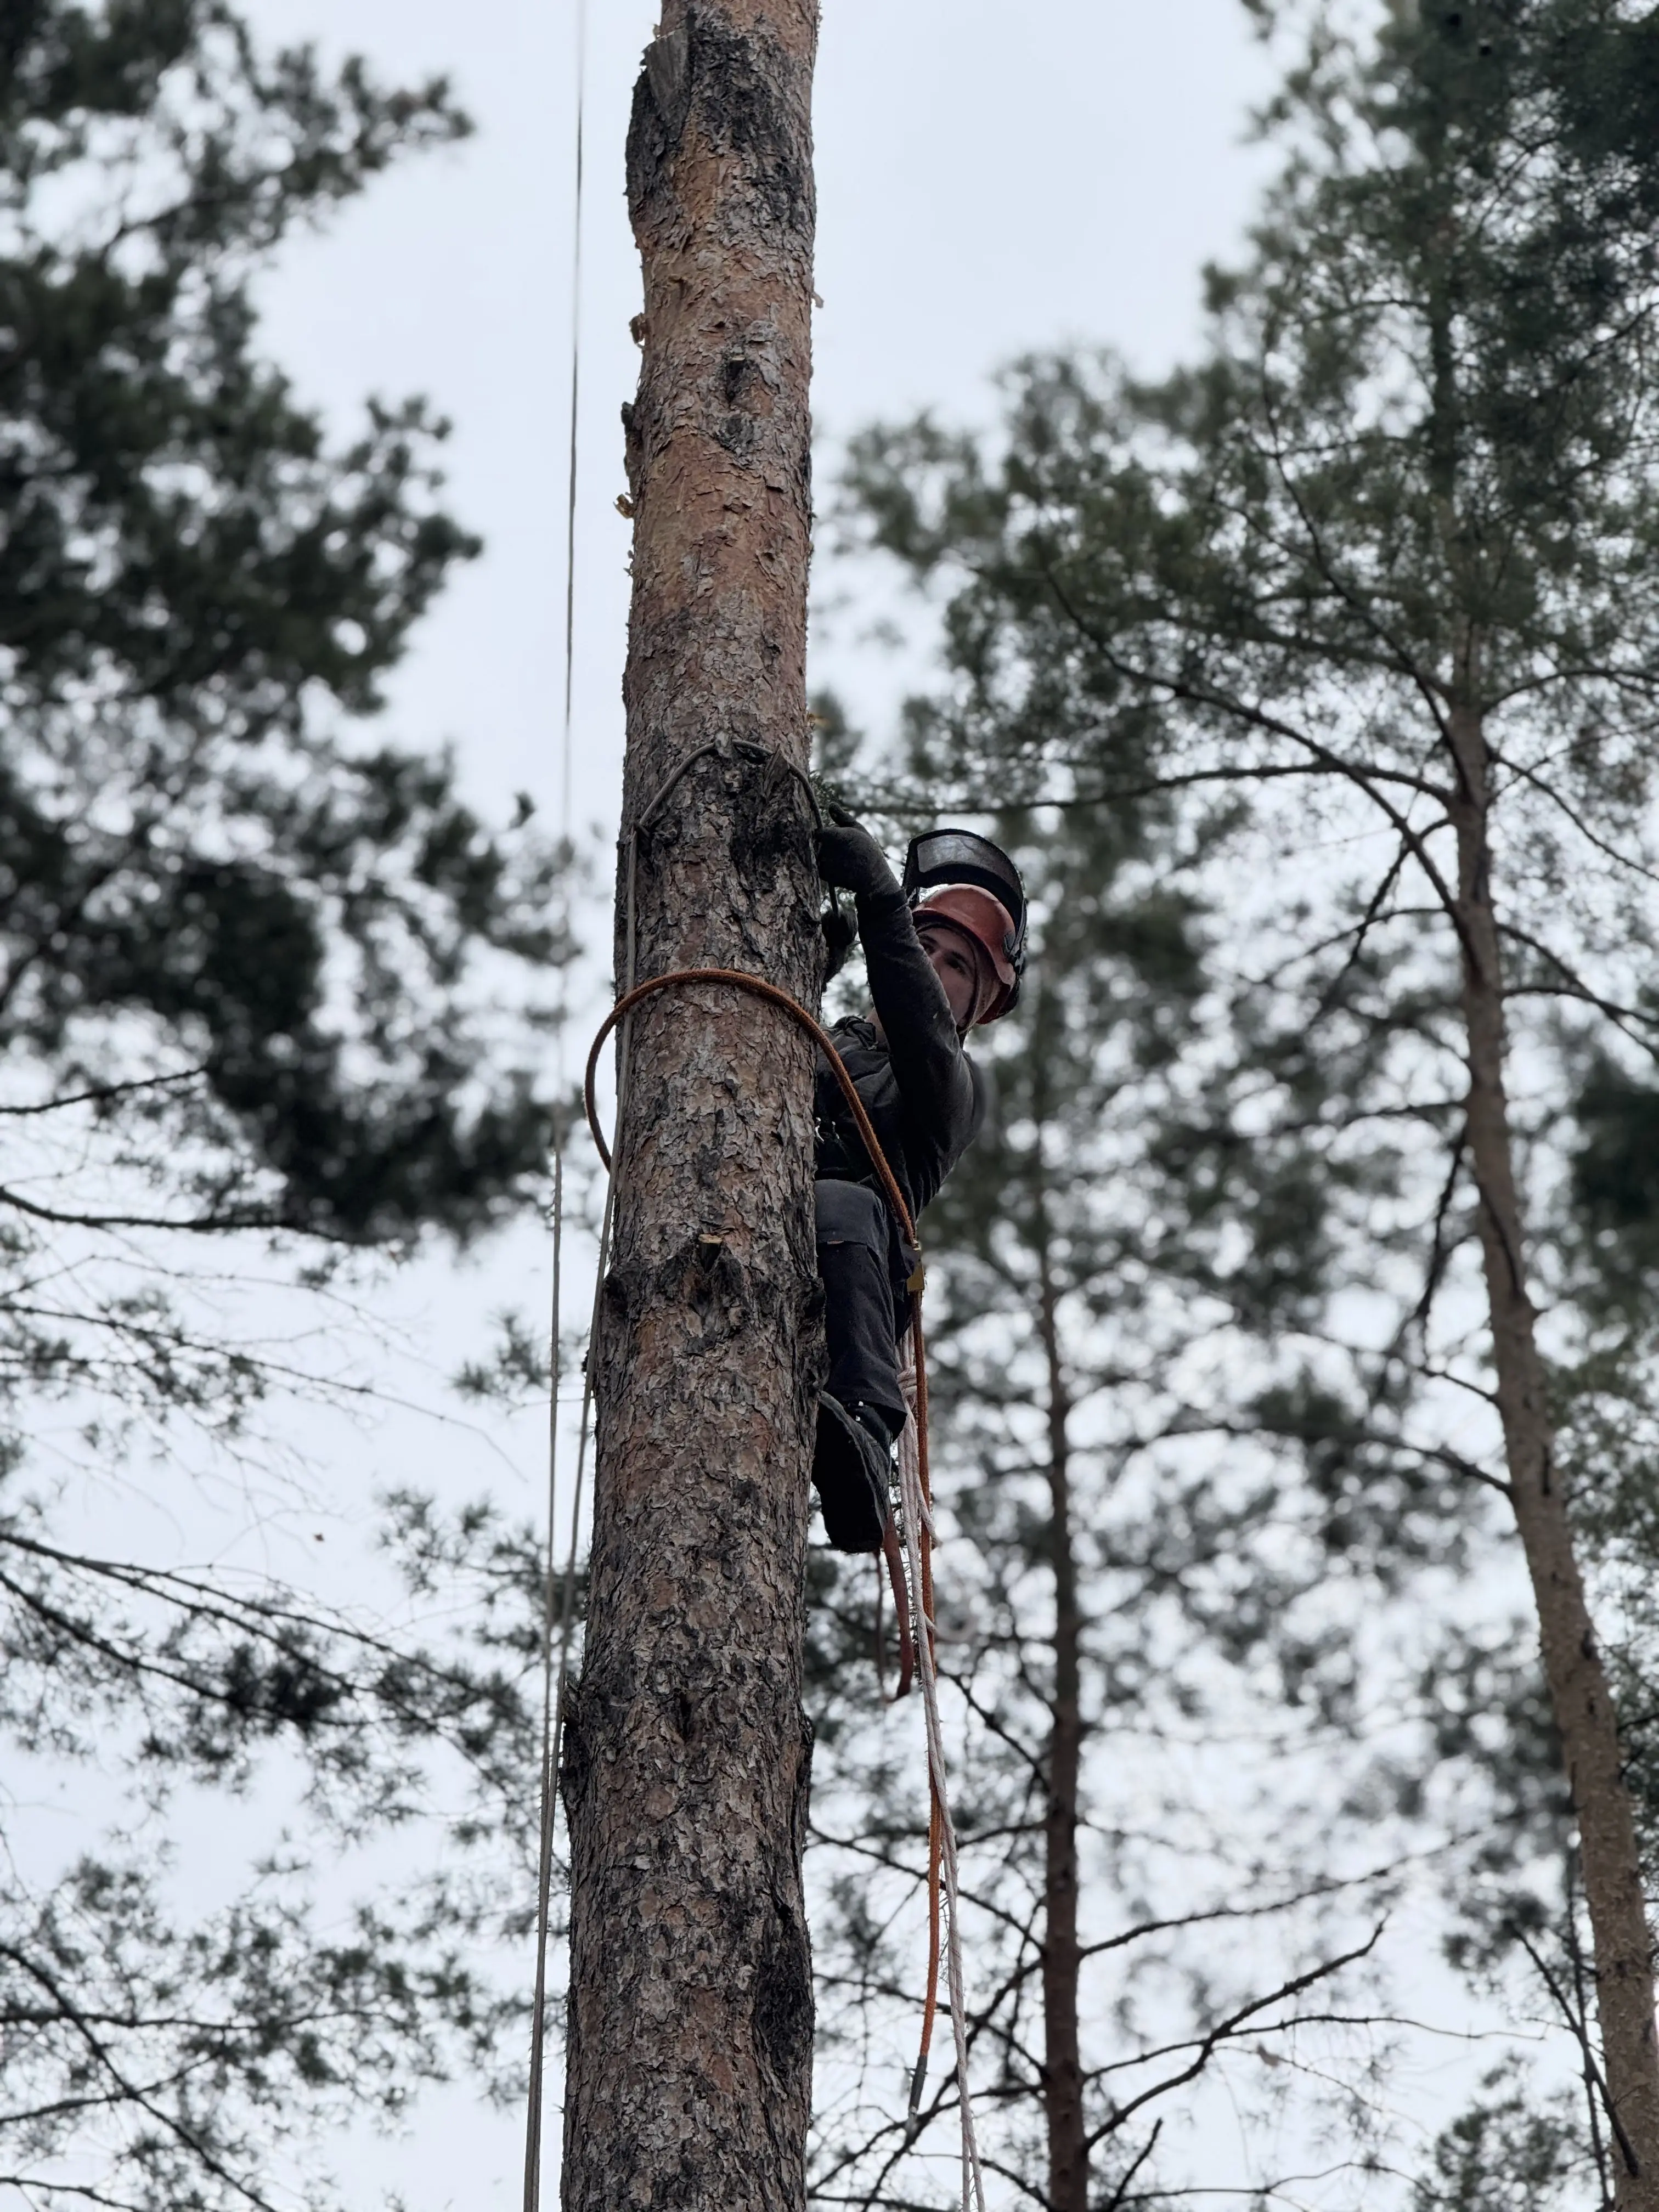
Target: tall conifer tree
<point>1384,558</point>
<point>687,1753</point>
<point>1157,1578</point>
<point>247,957</point>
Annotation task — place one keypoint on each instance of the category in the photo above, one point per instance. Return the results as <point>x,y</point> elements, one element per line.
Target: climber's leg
<point>861,1409</point>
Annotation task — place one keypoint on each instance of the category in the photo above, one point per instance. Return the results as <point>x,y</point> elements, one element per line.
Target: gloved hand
<point>850,859</point>
<point>839,935</point>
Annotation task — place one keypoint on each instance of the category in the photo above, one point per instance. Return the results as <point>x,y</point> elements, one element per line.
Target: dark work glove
<point>839,935</point>
<point>850,859</point>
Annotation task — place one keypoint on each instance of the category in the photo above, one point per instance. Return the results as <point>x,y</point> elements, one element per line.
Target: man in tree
<point>945,952</point>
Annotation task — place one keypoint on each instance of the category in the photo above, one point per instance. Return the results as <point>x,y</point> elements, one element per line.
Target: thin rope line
<point>555,1697</point>
<point>575,416</point>
<point>532,2154</point>
<point>553,1693</point>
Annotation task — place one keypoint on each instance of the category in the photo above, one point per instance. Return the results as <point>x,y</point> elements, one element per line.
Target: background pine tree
<point>1379,565</point>
<point>269,1004</point>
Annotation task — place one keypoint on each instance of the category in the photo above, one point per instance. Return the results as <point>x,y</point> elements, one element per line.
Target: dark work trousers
<point>854,1248</point>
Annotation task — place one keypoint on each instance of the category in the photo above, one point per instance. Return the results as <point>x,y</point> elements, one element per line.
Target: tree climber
<point>944,951</point>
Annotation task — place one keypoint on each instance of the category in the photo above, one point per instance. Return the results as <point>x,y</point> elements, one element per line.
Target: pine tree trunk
<point>687,1751</point>
<point>1579,1691</point>
<point>1062,2066</point>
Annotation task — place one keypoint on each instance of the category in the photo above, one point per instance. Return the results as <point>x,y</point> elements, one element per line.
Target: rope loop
<point>758,987</point>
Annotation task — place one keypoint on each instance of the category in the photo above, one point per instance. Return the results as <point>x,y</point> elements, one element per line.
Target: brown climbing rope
<point>758,987</point>
<point>938,1822</point>
<point>894,1561</point>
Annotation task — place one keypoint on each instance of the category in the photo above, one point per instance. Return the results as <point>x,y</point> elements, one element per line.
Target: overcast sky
<point>991,179</point>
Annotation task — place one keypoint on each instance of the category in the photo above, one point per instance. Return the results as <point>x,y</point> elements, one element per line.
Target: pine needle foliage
<point>270,993</point>
<point>1166,1584</point>
<point>1380,562</point>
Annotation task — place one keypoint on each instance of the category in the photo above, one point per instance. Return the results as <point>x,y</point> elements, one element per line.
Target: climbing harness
<point>916,1507</point>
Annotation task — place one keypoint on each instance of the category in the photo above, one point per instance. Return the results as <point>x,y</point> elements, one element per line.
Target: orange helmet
<point>963,880</point>
<point>988,923</point>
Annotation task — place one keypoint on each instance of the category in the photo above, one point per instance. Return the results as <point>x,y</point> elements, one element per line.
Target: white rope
<point>916,1512</point>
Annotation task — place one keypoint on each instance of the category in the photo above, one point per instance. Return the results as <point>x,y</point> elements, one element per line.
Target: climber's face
<point>955,960</point>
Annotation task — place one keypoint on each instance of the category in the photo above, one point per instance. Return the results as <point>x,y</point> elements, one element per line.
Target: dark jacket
<point>924,1095</point>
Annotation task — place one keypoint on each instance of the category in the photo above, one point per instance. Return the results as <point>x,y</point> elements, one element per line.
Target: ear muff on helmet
<point>942,859</point>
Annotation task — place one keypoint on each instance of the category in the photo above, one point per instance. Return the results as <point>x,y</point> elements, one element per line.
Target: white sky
<point>990,180</point>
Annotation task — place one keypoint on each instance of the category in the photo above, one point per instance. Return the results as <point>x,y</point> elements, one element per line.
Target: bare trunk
<point>1062,2065</point>
<point>687,1761</point>
<point>1578,1688</point>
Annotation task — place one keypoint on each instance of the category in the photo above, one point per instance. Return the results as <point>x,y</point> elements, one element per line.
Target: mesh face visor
<point>962,856</point>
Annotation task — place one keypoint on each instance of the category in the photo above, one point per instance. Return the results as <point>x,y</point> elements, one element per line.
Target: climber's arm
<point>932,1073</point>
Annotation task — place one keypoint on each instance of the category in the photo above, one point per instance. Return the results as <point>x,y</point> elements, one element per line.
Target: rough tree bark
<point>687,1753</point>
<point>1579,1692</point>
<point>1062,1958</point>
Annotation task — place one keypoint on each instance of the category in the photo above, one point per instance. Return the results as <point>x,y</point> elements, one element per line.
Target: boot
<point>852,1464</point>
